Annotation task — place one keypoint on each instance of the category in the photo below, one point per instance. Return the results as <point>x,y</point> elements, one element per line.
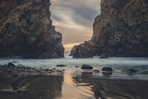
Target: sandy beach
<point>66,83</point>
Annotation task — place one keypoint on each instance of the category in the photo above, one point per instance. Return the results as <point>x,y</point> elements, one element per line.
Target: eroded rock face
<point>27,30</point>
<point>120,30</point>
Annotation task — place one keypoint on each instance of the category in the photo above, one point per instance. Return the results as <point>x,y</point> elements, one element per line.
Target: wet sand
<point>70,90</point>
<point>72,84</point>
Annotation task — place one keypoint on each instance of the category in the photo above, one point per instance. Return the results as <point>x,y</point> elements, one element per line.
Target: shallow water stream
<point>71,90</point>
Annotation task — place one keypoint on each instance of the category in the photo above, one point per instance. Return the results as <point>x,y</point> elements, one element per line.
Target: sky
<point>74,19</point>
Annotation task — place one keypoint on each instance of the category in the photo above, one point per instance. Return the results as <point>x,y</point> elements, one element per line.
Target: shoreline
<point>21,82</point>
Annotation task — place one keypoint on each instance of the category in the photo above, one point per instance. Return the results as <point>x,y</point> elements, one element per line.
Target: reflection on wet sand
<point>35,87</point>
<point>71,90</point>
<point>106,88</point>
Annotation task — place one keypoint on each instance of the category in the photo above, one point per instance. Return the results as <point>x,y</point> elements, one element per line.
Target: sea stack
<point>120,30</point>
<point>26,30</point>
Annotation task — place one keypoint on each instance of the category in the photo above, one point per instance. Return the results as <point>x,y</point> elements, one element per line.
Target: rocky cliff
<point>120,30</point>
<point>26,30</point>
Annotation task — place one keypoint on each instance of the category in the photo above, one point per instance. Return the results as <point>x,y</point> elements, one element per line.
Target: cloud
<point>81,12</point>
<point>74,18</point>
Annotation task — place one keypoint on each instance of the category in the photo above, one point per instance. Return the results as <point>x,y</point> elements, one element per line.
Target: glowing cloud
<point>74,19</point>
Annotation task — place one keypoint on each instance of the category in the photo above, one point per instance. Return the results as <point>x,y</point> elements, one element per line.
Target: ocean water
<point>70,62</point>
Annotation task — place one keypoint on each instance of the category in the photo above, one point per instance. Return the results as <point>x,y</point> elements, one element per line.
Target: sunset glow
<point>74,19</point>
<point>69,46</point>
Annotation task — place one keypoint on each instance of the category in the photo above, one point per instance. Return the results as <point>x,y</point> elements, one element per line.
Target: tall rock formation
<point>120,30</point>
<point>26,30</point>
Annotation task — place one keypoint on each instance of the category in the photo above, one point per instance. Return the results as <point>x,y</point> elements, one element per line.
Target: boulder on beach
<point>11,65</point>
<point>85,66</point>
<point>131,71</point>
<point>107,69</point>
<point>60,65</point>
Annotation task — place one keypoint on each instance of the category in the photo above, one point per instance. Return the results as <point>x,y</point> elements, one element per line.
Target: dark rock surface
<point>26,30</point>
<point>85,66</point>
<point>131,71</point>
<point>107,69</point>
<point>11,65</point>
<point>60,65</point>
<point>120,30</point>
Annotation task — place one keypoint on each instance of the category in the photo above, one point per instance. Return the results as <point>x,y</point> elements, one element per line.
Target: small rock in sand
<point>85,66</point>
<point>107,69</point>
<point>131,71</point>
<point>11,65</point>
<point>76,66</point>
<point>61,65</point>
<point>96,71</point>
